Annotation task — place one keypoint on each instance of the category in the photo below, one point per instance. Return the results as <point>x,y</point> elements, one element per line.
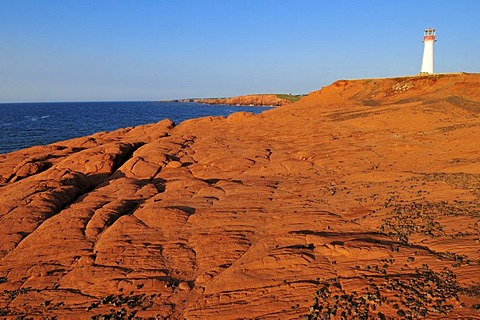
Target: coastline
<point>258,100</point>
<point>359,191</point>
<point>29,124</point>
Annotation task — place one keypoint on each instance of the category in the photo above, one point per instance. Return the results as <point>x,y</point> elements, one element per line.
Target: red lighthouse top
<point>429,35</point>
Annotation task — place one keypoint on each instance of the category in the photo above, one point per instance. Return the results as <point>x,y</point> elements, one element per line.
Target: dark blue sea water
<point>24,125</point>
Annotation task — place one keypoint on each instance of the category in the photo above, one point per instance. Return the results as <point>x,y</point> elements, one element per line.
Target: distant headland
<point>249,100</point>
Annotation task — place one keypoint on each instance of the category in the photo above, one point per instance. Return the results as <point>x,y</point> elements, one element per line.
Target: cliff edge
<point>362,200</point>
<point>255,100</point>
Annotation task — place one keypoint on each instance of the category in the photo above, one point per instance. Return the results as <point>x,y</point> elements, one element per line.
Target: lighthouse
<point>427,61</point>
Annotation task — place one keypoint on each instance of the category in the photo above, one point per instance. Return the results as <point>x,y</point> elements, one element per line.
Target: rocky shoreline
<point>360,201</point>
<point>257,100</point>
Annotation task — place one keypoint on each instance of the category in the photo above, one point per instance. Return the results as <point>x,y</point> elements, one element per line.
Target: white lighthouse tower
<point>427,61</point>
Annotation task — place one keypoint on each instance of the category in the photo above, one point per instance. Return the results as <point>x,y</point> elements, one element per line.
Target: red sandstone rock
<point>249,100</point>
<point>360,200</point>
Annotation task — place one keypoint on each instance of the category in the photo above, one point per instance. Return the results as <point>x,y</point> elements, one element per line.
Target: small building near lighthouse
<point>429,39</point>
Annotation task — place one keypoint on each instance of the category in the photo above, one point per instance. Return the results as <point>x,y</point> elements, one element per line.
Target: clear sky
<point>92,50</point>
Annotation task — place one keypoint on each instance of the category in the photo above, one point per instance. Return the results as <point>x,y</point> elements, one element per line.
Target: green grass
<point>290,97</point>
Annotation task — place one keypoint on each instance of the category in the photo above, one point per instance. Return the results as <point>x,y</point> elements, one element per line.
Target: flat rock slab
<point>359,201</point>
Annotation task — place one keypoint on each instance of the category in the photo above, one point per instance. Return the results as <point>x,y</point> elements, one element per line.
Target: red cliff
<point>254,100</point>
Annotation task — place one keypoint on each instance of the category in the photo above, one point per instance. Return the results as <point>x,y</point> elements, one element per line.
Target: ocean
<point>23,125</point>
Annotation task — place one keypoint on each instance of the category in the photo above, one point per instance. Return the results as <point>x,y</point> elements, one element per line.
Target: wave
<point>36,118</point>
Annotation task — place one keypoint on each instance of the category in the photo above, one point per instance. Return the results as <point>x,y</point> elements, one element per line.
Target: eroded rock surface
<point>360,201</point>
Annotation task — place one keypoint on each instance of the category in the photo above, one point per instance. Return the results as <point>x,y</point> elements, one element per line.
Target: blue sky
<point>93,50</point>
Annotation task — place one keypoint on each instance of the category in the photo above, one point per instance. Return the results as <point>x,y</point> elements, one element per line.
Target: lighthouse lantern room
<point>427,61</point>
